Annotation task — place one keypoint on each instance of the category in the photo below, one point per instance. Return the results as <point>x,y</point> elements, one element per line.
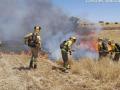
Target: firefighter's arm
<point>70,51</point>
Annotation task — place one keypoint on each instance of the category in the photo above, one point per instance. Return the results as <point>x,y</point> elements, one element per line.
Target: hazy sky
<point>93,11</point>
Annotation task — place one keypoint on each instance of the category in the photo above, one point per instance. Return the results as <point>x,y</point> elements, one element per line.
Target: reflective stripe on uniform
<point>69,43</point>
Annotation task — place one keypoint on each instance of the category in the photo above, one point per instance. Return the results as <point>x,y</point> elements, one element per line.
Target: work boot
<point>35,66</point>
<point>68,67</point>
<point>65,70</point>
<point>31,64</point>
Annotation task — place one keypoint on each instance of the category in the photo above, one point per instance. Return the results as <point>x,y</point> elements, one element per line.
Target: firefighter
<point>110,46</point>
<point>102,48</point>
<point>66,48</point>
<point>33,40</point>
<point>117,52</point>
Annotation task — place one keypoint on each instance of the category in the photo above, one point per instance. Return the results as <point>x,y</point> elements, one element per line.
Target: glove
<point>70,52</point>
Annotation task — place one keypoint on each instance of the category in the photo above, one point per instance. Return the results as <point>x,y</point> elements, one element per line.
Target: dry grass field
<point>85,74</point>
<point>110,34</point>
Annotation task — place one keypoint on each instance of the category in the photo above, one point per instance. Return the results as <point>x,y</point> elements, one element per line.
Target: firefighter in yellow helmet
<point>33,40</point>
<point>110,48</point>
<point>66,48</point>
<point>99,48</point>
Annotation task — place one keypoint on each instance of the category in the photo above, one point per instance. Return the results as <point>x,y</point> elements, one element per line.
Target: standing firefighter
<point>117,52</point>
<point>110,48</point>
<point>102,48</point>
<point>34,42</point>
<point>65,47</point>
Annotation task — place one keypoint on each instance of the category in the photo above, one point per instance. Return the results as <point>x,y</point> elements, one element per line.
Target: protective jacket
<point>33,40</point>
<point>67,46</point>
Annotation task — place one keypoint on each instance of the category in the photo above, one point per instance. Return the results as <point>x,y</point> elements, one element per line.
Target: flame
<point>91,45</point>
<point>88,41</point>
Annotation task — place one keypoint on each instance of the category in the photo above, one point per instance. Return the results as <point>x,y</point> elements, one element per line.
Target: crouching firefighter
<point>33,40</point>
<point>65,47</point>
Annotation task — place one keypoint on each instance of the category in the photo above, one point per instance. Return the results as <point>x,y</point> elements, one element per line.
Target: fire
<point>90,45</point>
<point>88,41</point>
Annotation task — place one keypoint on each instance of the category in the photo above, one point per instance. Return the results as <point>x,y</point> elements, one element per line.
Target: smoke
<point>86,45</point>
<point>18,17</point>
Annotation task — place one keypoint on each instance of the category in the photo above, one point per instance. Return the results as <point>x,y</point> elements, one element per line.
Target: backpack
<point>104,46</point>
<point>62,44</point>
<point>32,40</point>
<point>117,49</point>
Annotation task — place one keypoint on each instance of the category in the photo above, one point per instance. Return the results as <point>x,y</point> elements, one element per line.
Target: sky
<point>94,11</point>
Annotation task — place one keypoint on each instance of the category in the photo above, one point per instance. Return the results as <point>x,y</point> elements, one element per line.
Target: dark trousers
<point>102,54</point>
<point>65,58</point>
<point>116,57</point>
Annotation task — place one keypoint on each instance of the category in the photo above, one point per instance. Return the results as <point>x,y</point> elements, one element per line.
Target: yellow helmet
<point>73,37</point>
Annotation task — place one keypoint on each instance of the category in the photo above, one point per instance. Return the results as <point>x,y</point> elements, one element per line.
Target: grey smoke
<point>18,17</point>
